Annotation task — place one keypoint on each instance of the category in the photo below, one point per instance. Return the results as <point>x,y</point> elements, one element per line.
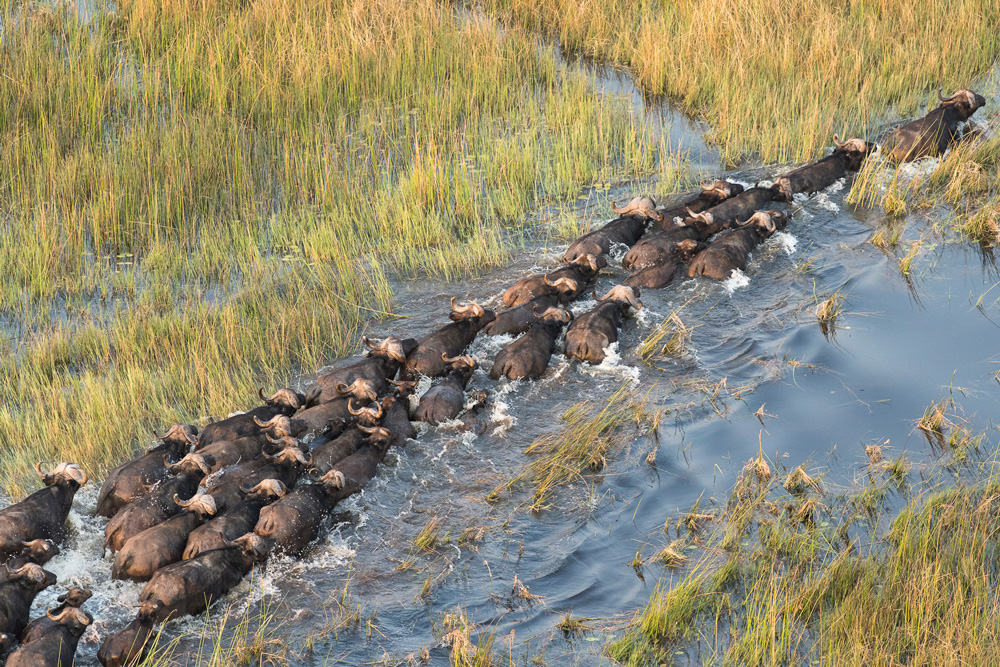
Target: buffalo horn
<point>837,143</point>
<point>58,617</point>
<point>246,489</point>
<point>350,409</point>
<point>371,346</point>
<point>260,392</point>
<point>38,469</point>
<point>943,98</point>
<point>471,309</point>
<point>268,424</point>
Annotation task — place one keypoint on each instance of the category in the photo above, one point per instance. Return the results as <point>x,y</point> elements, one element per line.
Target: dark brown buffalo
<point>931,135</point>
<point>332,416</point>
<point>334,451</point>
<point>590,334</point>
<point>515,321</point>
<point>396,419</point>
<point>566,283</point>
<point>235,521</point>
<point>128,647</point>
<point>164,543</point>
<point>710,195</point>
<point>846,157</point>
<point>286,466</point>
<point>726,214</point>
<point>732,250</point>
<point>528,356</point>
<point>622,231</point>
<point>190,586</point>
<point>73,598</point>
<point>476,419</point>
<point>158,505</point>
<point>38,552</point>
<point>444,401</point>
<point>134,479</point>
<point>18,592</point>
<point>450,340</point>
<point>53,645</point>
<point>382,363</point>
<point>250,447</point>
<point>42,515</point>
<point>662,274</point>
<point>291,523</point>
<point>282,402</point>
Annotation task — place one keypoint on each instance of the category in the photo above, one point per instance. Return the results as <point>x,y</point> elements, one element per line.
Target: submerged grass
<point>836,587</point>
<point>204,198</point>
<point>583,446</point>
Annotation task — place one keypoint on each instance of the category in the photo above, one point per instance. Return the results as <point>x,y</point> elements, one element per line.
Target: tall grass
<point>200,198</point>
<point>778,79</point>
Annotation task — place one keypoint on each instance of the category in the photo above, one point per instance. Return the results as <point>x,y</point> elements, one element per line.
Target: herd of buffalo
<point>195,514</point>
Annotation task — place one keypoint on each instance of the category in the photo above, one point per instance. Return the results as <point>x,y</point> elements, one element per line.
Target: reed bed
<point>199,199</point>
<point>776,80</point>
<point>809,575</point>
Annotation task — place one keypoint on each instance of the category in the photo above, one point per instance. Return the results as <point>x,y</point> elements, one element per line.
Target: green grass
<point>840,588</point>
<point>200,199</point>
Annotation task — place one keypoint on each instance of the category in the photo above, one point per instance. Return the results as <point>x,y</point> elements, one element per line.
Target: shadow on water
<point>755,341</point>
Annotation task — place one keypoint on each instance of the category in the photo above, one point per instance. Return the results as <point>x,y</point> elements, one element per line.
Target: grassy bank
<point>197,199</point>
<point>793,571</point>
<point>777,80</point>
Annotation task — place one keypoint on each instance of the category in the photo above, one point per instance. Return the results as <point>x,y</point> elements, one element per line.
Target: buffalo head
<point>76,620</point>
<point>39,551</point>
<point>289,456</point>
<point>391,348</point>
<point>368,415</point>
<point>622,294</point>
<point>268,488</point>
<point>179,434</point>
<point>64,473</point>
<point>768,222</point>
<point>200,503</point>
<point>283,398</point>
<point>966,102</point>
<point>74,597</point>
<point>191,463</point>
<point>281,426</point>
<point>856,150</point>
<point>589,263</point>
<point>720,190</point>
<point>640,207</point>
<point>360,388</point>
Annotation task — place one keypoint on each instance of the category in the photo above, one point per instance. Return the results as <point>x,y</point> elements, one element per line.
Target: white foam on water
<point>737,280</point>
<point>784,241</point>
<point>618,251</point>
<point>836,186</point>
<point>500,414</point>
<point>580,307</point>
<point>611,365</point>
<point>648,318</point>
<point>823,201</point>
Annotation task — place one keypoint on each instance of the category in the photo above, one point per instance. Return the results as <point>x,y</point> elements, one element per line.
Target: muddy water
<point>900,344</point>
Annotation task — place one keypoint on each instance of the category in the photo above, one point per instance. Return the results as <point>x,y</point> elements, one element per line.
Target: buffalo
<point>382,363</point>
<point>236,520</point>
<point>621,231</point>
<point>285,466</point>
<point>565,283</point>
<point>163,544</point>
<point>249,447</point>
<point>450,340</point>
<point>590,334</point>
<point>396,419</point>
<point>443,402</point>
<point>17,593</point>
<point>515,321</point>
<point>640,207</point>
<point>662,273</point>
<point>332,416</point>
<point>528,356</point>
<point>727,213</point>
<point>476,419</point>
<point>847,156</point>
<point>128,646</point>
<point>334,451</point>
<point>38,552</point>
<point>53,645</point>
<point>43,514</point>
<point>282,402</point>
<point>931,135</point>
<point>134,479</point>
<point>73,598</point>
<point>710,195</point>
<point>294,521</point>
<point>190,586</point>
<point>158,505</point>
<point>732,250</point>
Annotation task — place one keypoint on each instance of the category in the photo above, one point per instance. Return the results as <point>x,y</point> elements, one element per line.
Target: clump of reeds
<point>827,312</point>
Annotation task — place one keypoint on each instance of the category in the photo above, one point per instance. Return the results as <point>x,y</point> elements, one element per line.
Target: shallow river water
<point>899,345</point>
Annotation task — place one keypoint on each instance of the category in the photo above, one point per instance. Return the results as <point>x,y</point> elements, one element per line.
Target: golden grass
<point>779,80</point>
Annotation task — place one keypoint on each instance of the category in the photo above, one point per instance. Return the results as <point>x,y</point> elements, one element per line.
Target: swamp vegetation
<point>201,198</point>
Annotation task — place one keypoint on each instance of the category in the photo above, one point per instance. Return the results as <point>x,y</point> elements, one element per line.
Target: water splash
<point>736,281</point>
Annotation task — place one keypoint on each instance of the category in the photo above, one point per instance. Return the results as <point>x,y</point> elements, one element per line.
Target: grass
<point>206,198</point>
<point>591,435</point>
<point>827,312</point>
<point>778,82</point>
<point>789,591</point>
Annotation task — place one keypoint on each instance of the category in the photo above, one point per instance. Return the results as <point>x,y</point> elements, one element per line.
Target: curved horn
<point>182,503</point>
<point>943,98</point>
<point>168,465</point>
<point>619,211</point>
<point>744,223</point>
<point>268,424</point>
<point>691,214</point>
<point>394,383</point>
<point>707,188</point>
<point>272,440</point>
<point>837,142</point>
<point>245,489</point>
<point>260,392</point>
<point>58,617</point>
<point>342,388</point>
<point>270,457</point>
<point>350,409</point>
<point>367,343</point>
<point>470,309</point>
<point>38,469</point>
<point>315,474</point>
